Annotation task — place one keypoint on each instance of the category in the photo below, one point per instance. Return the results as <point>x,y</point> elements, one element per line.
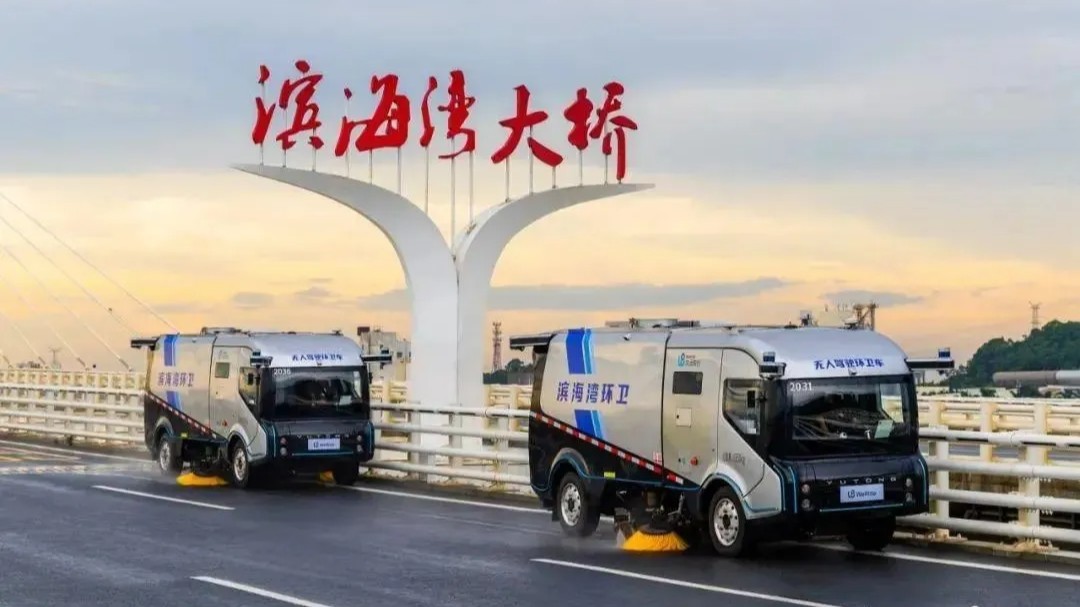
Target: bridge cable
<point>87,262</point>
<point>69,310</point>
<point>69,276</point>
<point>22,335</point>
<point>48,324</point>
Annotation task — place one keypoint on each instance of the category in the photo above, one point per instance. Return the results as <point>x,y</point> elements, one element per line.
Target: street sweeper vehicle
<point>255,404</point>
<point>727,435</point>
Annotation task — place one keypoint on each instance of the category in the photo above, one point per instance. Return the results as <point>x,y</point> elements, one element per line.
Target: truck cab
<point>258,404</point>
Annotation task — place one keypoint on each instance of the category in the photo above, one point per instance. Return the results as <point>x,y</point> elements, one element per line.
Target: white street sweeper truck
<point>724,434</point>
<point>252,403</point>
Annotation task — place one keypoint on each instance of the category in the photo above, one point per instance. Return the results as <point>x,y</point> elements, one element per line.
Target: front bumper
<point>833,492</point>
<point>301,448</point>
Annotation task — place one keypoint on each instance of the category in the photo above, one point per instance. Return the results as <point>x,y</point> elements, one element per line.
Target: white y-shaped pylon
<point>448,286</point>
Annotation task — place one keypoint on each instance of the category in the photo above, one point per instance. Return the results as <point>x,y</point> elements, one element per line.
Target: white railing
<point>486,445</point>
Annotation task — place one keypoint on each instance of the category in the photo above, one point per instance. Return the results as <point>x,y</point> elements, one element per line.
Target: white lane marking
<point>448,500</point>
<point>163,498</point>
<point>284,598</point>
<point>454,519</point>
<point>970,564</point>
<point>8,450</point>
<point>694,585</point>
<point>1033,572</point>
<point>75,451</point>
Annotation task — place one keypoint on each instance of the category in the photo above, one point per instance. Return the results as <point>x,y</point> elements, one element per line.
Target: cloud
<point>313,294</point>
<point>882,298</point>
<point>251,299</point>
<point>182,307</point>
<point>597,297</point>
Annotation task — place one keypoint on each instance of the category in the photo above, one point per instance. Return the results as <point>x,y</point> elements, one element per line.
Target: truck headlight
<point>806,489</point>
<point>909,483</point>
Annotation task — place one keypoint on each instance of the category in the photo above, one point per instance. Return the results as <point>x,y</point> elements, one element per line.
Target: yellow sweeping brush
<point>649,539</point>
<point>326,477</point>
<point>190,479</point>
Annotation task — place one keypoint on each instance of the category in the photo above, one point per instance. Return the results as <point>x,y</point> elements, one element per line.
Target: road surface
<point>82,529</point>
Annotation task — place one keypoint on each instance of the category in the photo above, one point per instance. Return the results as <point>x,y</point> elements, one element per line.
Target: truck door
<point>226,407</point>
<point>741,390</point>
<point>691,403</point>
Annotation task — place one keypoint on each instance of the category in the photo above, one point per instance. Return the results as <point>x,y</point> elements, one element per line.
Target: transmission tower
<point>1034,316</point>
<point>866,315</point>
<point>496,346</point>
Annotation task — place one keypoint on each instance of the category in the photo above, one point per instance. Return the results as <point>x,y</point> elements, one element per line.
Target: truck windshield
<point>301,392</point>
<point>845,416</point>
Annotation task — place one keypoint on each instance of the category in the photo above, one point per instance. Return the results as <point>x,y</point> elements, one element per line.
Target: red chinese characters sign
<point>388,125</point>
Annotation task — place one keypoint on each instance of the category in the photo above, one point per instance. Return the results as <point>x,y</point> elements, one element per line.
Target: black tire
<point>873,535</point>
<point>239,466</point>
<point>168,456</point>
<point>726,525</point>
<point>577,514</point>
<point>346,474</point>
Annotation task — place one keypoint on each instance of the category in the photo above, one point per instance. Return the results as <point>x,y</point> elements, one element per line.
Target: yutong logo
<point>319,357</point>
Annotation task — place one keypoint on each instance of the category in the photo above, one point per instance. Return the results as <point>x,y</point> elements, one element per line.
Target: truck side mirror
<point>751,399</point>
<point>251,379</point>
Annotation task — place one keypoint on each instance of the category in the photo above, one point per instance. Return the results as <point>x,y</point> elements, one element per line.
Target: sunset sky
<point>922,154</point>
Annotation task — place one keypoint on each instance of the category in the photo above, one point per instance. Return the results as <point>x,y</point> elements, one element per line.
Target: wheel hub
<point>726,522</point>
<point>570,505</point>
<point>239,463</point>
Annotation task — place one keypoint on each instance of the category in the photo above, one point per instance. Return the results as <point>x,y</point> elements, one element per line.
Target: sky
<point>919,154</point>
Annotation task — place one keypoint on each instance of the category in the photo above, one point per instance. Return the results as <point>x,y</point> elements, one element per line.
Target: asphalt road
<point>99,531</point>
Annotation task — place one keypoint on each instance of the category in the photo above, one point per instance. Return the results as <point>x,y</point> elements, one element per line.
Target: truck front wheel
<point>346,474</point>
<point>872,535</point>
<point>239,466</point>
<point>727,525</point>
<point>577,514</point>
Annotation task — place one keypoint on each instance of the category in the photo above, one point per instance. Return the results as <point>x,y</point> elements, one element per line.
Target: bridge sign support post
<point>448,286</point>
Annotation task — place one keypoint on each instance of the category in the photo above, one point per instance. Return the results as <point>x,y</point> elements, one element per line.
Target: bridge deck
<point>99,534</point>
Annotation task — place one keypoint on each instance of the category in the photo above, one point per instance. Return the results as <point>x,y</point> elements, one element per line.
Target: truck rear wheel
<point>577,514</point>
<point>168,456</point>
<point>727,525</point>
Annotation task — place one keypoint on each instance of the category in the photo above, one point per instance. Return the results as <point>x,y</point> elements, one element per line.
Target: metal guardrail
<point>441,444</point>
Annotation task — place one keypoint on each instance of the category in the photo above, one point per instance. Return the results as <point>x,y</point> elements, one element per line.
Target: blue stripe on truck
<point>583,419</point>
<point>588,421</point>
<point>170,350</point>
<point>579,360</point>
<point>575,361</point>
<point>173,398</point>
<point>598,429</point>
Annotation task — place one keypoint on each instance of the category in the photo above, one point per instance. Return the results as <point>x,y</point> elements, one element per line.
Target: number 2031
<point>800,386</point>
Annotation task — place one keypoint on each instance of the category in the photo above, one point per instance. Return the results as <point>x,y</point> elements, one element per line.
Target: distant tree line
<point>1054,346</point>
<point>515,371</point>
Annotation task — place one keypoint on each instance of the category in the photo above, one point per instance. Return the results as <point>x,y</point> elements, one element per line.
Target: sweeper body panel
<point>257,402</point>
<point>727,434</point>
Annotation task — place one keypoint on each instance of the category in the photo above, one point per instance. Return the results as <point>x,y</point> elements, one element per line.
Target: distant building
<point>378,341</point>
